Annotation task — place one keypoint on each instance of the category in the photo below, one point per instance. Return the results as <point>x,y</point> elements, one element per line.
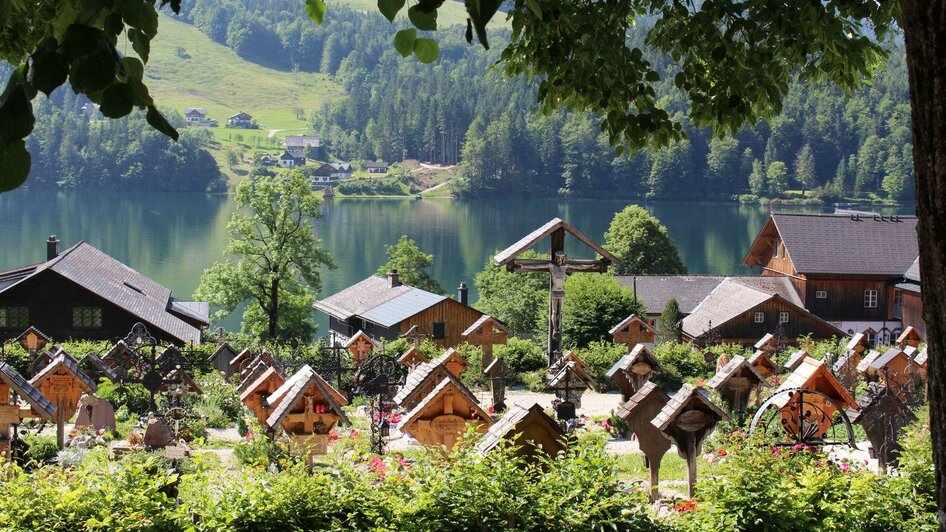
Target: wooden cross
<point>558,266</point>
<point>486,332</point>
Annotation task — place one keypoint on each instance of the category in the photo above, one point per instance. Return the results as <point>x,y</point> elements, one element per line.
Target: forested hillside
<point>458,110</point>
<point>73,146</point>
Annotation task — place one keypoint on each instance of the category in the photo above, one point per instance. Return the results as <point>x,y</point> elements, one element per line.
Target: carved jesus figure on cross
<point>559,266</point>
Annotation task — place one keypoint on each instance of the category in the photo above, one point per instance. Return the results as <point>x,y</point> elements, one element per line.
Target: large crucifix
<point>559,266</point>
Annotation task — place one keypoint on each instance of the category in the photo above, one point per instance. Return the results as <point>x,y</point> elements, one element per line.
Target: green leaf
<point>117,100</point>
<point>16,115</point>
<point>316,10</point>
<point>157,121</point>
<point>134,69</point>
<point>426,50</point>
<point>140,43</point>
<point>422,20</point>
<point>404,42</point>
<point>14,165</point>
<point>93,73</point>
<point>390,8</point>
<point>481,11</point>
<point>142,15</point>
<point>48,70</point>
<point>533,6</point>
<point>469,30</point>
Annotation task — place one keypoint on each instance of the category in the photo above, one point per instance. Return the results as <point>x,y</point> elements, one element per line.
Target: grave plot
<point>441,418</point>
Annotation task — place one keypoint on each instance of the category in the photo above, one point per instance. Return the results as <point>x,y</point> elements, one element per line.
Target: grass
<point>450,13</point>
<point>672,467</point>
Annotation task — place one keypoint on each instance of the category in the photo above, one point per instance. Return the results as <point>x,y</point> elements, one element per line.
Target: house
<point>655,290</point>
<point>290,160</point>
<point>297,144</point>
<point>241,120</point>
<point>911,299</point>
<point>329,171</point>
<point>846,268</point>
<point>82,293</point>
<point>196,116</point>
<point>741,309</point>
<point>376,167</point>
<point>383,307</point>
<point>268,160</point>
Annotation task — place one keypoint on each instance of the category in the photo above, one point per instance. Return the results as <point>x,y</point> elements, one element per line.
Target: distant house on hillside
<point>195,116</point>
<point>82,293</point>
<point>383,307</point>
<point>333,171</point>
<point>297,144</point>
<point>289,160</point>
<point>268,160</point>
<point>241,120</point>
<point>376,167</point>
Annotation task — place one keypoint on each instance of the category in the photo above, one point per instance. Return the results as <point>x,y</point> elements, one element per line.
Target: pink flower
<point>378,466</point>
<point>845,467</point>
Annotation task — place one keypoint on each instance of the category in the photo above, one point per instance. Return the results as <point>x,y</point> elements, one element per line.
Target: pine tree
<point>757,178</point>
<point>805,169</point>
<point>669,324</point>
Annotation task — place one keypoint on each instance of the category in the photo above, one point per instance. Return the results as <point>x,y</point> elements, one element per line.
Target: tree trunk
<point>273,308</point>
<point>924,28</point>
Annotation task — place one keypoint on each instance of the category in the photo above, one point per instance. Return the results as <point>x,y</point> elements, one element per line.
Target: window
<point>870,298</point>
<point>14,317</point>
<point>783,317</point>
<point>87,317</point>
<point>821,294</point>
<point>652,323</point>
<point>897,296</point>
<point>760,317</point>
<point>440,330</point>
<point>778,245</point>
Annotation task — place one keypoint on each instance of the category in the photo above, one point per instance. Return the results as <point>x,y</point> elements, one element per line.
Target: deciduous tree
<point>411,264</point>
<point>273,258</point>
<point>643,243</point>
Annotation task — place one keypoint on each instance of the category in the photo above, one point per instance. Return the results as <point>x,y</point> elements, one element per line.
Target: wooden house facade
<point>385,308</point>
<point>82,293</point>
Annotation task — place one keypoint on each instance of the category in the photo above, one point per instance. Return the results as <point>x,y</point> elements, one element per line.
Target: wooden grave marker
<point>306,407</point>
<point>735,382</point>
<point>485,333</point>
<point>763,364</point>
<point>496,371</point>
<point>32,340</point>
<point>419,383</point>
<point>768,344</point>
<point>638,412</point>
<point>687,419</point>
<point>632,331</point>
<point>909,337</point>
<point>96,368</point>
<point>845,369</point>
<point>441,418</point>
<point>360,346</point>
<point>530,430</point>
<point>633,370</point>
<point>896,370</point>
<point>796,359</point>
<point>241,361</point>
<point>254,396</point>
<point>63,383</point>
<point>453,361</point>
<point>12,413</point>
<point>818,415</point>
<point>412,358</point>
<point>222,357</point>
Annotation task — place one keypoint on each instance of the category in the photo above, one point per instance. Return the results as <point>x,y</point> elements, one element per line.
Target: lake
<point>172,238</point>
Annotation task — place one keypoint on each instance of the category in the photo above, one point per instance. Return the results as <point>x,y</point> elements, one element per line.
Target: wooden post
<point>654,466</point>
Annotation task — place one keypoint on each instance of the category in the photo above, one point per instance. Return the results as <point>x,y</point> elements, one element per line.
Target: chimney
<point>394,279</point>
<point>462,293</point>
<point>52,247</point>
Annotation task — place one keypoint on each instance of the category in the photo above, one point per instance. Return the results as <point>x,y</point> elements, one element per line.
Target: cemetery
<point>366,433</point>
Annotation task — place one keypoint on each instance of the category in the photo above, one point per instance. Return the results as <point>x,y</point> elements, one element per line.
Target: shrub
<point>42,448</point>
<point>600,356</point>
<point>534,380</point>
<point>679,362</point>
<point>521,356</point>
<point>473,377</point>
<point>219,405</point>
<point>136,398</point>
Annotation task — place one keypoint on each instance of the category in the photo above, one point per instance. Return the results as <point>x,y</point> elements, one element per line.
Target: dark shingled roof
<point>115,282</point>
<point>655,290</point>
<point>27,391</point>
<point>97,364</point>
<point>575,375</point>
<point>838,243</point>
<point>295,387</point>
<point>730,369</point>
<point>225,349</point>
<point>884,359</point>
<point>628,408</point>
<point>508,423</point>
<point>678,402</point>
<point>867,361</point>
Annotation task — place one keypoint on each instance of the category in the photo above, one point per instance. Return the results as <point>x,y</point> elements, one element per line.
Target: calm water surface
<point>172,238</point>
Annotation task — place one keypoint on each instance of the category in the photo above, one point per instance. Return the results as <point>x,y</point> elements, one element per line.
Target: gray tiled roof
<point>796,359</point>
<point>195,310</point>
<point>573,372</point>
<point>502,428</point>
<point>258,369</point>
<point>884,359</point>
<point>441,386</point>
<point>867,361</point>
<point>843,361</point>
<point>913,272</point>
<point>628,408</point>
<point>678,402</point>
<point>375,300</point>
<point>61,361</point>
<point>482,321</point>
<point>655,290</point>
<point>295,387</point>
<point>27,391</point>
<point>417,378</point>
<point>832,243</point>
<point>97,364</point>
<point>730,369</point>
<point>118,284</point>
